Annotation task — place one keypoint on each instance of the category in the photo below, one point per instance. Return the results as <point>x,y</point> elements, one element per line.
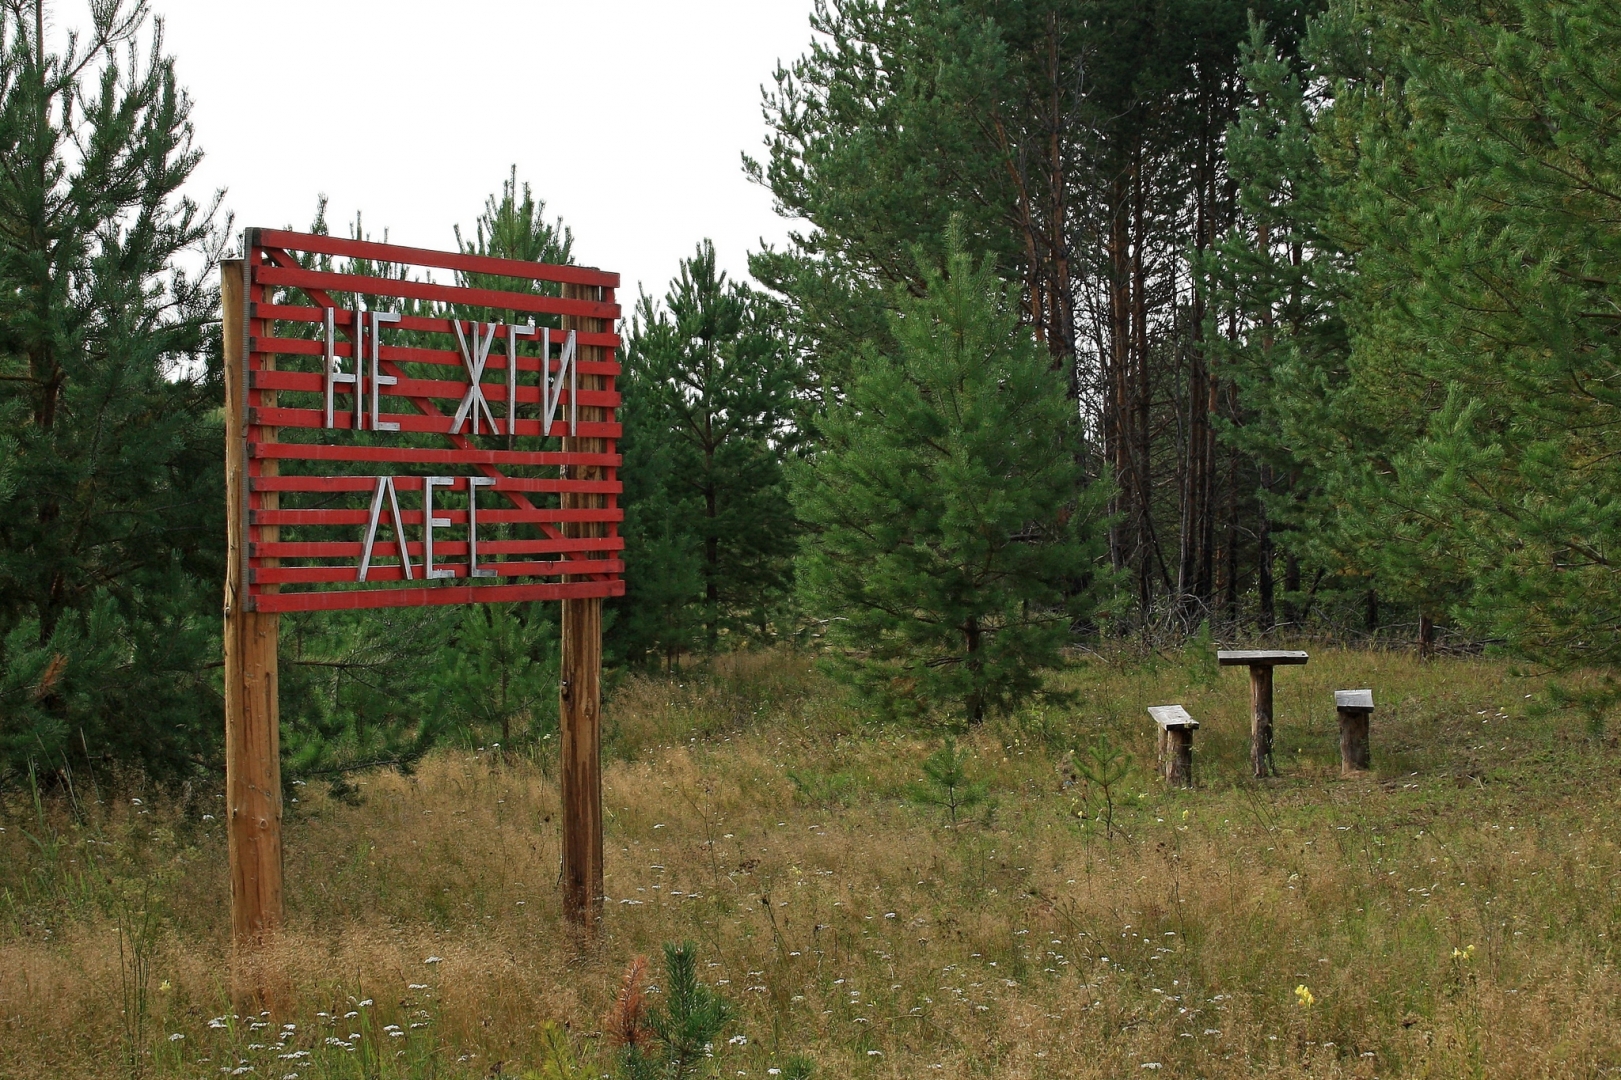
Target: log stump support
<point>1176,729</point>
<point>1355,709</point>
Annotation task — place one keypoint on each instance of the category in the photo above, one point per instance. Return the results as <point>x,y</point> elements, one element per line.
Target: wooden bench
<point>1261,662</point>
<point>1355,708</point>
<point>1175,743</point>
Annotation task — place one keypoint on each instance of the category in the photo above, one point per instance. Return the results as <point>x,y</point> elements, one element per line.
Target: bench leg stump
<point>1261,763</point>
<point>1176,756</point>
<point>1354,755</point>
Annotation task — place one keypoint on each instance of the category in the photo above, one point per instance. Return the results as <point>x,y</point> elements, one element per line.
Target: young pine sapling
<point>947,783</point>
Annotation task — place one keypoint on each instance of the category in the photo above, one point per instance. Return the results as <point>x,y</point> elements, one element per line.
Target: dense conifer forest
<point>1101,322</point>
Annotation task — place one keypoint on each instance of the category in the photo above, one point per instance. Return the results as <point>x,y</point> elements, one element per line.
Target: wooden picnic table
<point>1261,662</point>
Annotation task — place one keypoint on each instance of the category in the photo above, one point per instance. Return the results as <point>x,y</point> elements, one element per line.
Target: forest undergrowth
<point>1451,914</point>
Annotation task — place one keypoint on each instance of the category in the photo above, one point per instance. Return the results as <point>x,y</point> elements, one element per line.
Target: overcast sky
<point>628,117</point>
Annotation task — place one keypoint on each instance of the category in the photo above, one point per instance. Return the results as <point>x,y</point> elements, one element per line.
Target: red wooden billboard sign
<point>414,442</point>
<point>394,441</point>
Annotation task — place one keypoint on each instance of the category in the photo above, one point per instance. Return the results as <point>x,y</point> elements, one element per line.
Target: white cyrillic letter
<point>473,359</point>
<point>378,379</point>
<point>334,373</point>
<point>429,523</point>
<point>384,484</point>
<point>551,387</point>
<point>473,484</point>
<point>513,334</point>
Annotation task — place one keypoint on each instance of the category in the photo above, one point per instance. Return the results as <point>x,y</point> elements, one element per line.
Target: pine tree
<point>111,538</point>
<point>709,397</point>
<point>946,508</point>
<point>1461,225</point>
<point>498,673</point>
<point>1079,142</point>
<point>1480,196</point>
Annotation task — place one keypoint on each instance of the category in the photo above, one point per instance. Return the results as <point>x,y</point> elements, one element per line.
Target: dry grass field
<point>1453,914</point>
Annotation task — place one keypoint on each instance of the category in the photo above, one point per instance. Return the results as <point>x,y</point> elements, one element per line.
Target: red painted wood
<point>407,454</point>
<point>344,318</point>
<point>456,517</point>
<point>444,260</point>
<point>315,575</point>
<point>427,290</point>
<point>430,425</point>
<point>350,550</point>
<point>421,597</point>
<point>414,483</point>
<point>594,572</point>
<point>411,354</point>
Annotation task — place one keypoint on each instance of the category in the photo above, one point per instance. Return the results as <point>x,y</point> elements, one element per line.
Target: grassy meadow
<point>1452,914</point>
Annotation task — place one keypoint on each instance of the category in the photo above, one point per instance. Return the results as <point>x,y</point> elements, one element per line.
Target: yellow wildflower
<point>1303,996</point>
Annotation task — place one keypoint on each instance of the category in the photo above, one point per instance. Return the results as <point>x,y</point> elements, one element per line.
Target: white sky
<point>628,117</point>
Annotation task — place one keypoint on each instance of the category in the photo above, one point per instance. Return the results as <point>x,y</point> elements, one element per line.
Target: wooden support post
<point>1176,729</point>
<point>580,675</point>
<point>1261,763</point>
<point>1355,709</point>
<point>252,713</point>
<point>1261,662</point>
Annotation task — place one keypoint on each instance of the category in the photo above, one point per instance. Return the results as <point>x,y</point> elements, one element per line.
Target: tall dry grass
<point>1451,915</point>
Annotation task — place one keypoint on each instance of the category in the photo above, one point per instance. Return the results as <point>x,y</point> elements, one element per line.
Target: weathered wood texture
<point>1261,662</point>
<point>252,713</point>
<point>1175,743</point>
<point>1355,709</point>
<point>1260,657</point>
<point>1176,756</point>
<point>1353,699</point>
<point>580,677</point>
<point>1171,716</point>
<point>1261,763</point>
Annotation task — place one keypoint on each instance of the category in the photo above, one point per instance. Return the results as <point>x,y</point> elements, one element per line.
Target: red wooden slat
<point>318,575</point>
<point>443,260</point>
<point>532,516</point>
<point>430,425</point>
<point>350,550</point>
<point>344,317</point>
<point>420,597</point>
<point>414,455</point>
<point>414,483</point>
<point>411,354</point>
<point>311,382</point>
<point>423,290</point>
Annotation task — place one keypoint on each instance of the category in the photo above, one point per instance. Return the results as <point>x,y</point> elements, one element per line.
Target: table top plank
<point>1353,699</point>
<point>1261,657</point>
<point>1172,716</point>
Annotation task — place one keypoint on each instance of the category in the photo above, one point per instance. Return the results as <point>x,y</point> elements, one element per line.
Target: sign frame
<point>580,535</point>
